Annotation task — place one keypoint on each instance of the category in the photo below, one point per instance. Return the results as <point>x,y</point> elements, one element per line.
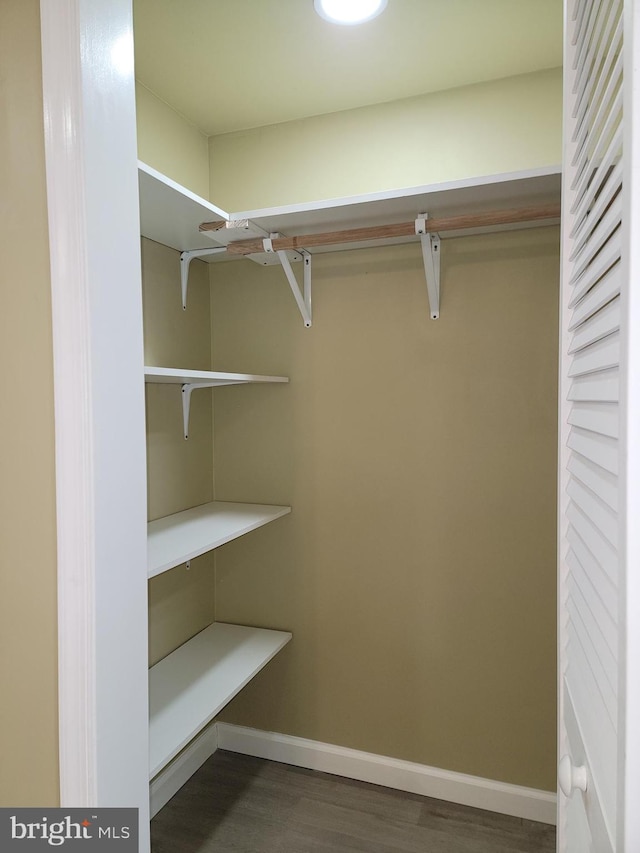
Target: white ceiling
<point>229,65</point>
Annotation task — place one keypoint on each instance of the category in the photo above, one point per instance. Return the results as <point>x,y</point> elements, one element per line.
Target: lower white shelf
<point>177,538</point>
<point>191,686</point>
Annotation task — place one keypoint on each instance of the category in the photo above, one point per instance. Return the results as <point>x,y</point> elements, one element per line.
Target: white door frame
<point>628,829</point>
<point>91,162</point>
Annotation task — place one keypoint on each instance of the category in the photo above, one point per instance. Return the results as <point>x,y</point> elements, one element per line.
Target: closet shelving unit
<point>189,687</point>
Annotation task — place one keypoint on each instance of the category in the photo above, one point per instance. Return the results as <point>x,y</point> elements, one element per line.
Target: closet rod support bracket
<point>431,257</point>
<point>301,295</point>
<point>185,261</point>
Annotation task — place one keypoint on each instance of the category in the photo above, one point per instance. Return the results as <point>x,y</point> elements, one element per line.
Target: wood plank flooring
<point>240,804</point>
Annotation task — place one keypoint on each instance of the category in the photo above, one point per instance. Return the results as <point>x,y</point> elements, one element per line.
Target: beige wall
<point>417,569</point>
<point>502,126</point>
<point>171,144</point>
<point>180,473</point>
<point>28,642</point>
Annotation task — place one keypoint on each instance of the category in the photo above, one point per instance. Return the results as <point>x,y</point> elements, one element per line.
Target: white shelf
<point>191,686</point>
<point>173,376</point>
<point>171,214</point>
<point>177,538</point>
<point>474,195</point>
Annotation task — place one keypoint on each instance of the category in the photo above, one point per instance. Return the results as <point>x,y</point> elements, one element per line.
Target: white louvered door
<point>596,490</point>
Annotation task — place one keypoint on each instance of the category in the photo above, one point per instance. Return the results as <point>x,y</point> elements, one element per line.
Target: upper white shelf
<point>177,538</point>
<point>531,188</point>
<point>191,686</point>
<point>171,214</point>
<point>174,376</point>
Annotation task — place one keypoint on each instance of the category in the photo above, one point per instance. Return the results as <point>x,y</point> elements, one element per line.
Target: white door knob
<point>571,777</point>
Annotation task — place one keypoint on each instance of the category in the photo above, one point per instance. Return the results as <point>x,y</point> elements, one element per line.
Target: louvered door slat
<point>601,355</point>
<point>594,637</point>
<point>603,483</point>
<point>599,236</point>
<point>586,54</point>
<point>581,8</point>
<point>601,294</point>
<point>583,227</point>
<point>603,149</point>
<point>596,152</point>
<point>587,73</point>
<point>608,256</point>
<point>600,324</point>
<point>604,690</point>
<point>603,551</point>
<point>607,87</point>
<point>597,417</point>
<point>581,204</point>
<point>598,448</point>
<point>596,586</point>
<point>603,387</point>
<point>595,509</point>
<point>592,582</point>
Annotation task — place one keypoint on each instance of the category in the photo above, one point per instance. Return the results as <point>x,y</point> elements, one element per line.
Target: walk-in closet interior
<point>321,457</point>
<point>368,486</point>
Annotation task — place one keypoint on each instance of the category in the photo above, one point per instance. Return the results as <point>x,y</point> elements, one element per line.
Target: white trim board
<point>90,147</point>
<point>176,774</point>
<point>460,788</point>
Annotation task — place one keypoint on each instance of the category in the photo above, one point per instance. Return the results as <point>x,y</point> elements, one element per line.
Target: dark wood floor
<point>239,804</point>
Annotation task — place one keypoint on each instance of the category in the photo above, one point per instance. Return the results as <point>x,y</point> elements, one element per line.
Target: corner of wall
<point>170,143</point>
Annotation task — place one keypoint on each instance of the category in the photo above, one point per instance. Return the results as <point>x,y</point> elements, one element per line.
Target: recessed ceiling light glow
<point>349,11</point>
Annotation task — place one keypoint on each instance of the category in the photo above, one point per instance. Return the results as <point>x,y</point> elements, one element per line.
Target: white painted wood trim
<point>628,828</point>
<point>169,781</point>
<point>60,33</point>
<point>459,788</point>
<point>564,313</point>
<point>90,143</point>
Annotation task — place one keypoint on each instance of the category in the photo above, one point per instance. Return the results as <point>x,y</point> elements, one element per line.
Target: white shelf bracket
<point>431,257</point>
<point>302,297</point>
<point>185,261</point>
<point>187,389</point>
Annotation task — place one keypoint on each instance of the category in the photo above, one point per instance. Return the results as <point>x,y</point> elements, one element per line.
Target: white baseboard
<point>516,800</point>
<point>169,781</point>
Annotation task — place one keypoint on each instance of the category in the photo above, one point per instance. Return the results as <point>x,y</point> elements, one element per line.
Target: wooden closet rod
<point>403,229</point>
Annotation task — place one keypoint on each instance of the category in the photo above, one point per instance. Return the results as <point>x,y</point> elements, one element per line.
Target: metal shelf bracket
<point>302,296</point>
<point>431,257</point>
<point>185,261</point>
<point>187,390</point>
